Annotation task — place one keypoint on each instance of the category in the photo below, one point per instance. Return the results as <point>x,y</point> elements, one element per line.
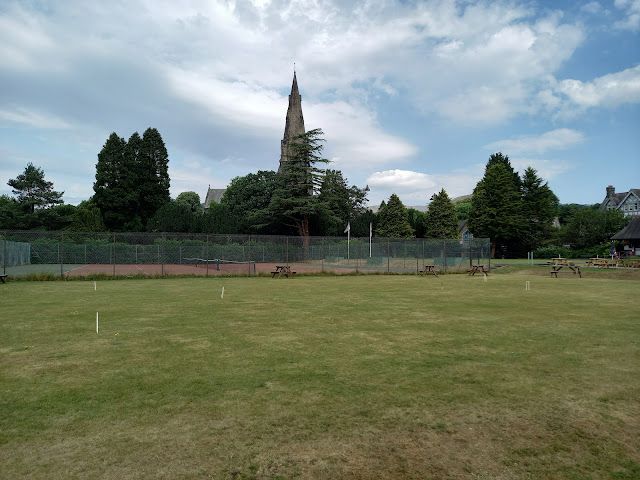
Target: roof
<point>631,231</point>
<point>618,198</point>
<point>213,195</point>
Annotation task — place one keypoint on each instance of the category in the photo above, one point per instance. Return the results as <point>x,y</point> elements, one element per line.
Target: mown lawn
<point>324,377</point>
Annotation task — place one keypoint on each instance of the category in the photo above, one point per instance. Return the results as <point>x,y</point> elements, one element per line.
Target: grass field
<point>355,377</point>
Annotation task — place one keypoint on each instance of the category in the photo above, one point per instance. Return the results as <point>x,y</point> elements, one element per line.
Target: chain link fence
<point>24,253</point>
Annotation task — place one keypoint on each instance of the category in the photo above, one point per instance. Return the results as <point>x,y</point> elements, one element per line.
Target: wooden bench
<point>477,269</point>
<point>555,269</point>
<point>283,270</point>
<point>598,262</point>
<point>429,269</point>
<point>3,278</point>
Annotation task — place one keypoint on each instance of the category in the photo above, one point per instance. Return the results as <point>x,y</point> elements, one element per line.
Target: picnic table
<point>555,269</point>
<point>429,269</point>
<point>598,262</point>
<point>3,278</point>
<point>478,269</point>
<point>283,270</point>
<point>559,261</point>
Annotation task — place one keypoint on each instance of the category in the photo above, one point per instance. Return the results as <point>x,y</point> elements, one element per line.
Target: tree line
<point>131,193</point>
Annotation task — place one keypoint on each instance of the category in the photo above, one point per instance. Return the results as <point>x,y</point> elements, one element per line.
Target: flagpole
<point>348,232</point>
<point>370,235</point>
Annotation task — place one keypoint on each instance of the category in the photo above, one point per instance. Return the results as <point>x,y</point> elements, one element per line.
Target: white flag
<point>348,229</point>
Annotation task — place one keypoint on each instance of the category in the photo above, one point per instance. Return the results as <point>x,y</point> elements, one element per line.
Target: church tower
<point>294,125</point>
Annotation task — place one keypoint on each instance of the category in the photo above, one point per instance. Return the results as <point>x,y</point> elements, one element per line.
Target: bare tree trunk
<point>302,226</point>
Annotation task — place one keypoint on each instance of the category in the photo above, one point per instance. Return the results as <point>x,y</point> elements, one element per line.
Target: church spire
<point>294,124</point>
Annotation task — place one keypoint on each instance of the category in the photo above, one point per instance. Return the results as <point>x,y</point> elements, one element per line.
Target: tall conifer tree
<point>442,221</point>
<point>393,219</point>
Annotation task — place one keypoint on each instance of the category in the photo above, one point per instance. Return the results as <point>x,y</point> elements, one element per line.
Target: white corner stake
<point>222,295</point>
<point>485,277</point>
<point>527,285</point>
<point>96,322</point>
<point>95,285</point>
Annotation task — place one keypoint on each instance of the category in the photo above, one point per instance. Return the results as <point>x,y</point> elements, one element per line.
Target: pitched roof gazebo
<point>631,234</point>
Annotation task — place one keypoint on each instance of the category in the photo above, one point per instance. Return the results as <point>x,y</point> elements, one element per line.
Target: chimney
<point>611,191</point>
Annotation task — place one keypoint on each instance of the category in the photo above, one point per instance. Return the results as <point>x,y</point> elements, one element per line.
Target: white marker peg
<point>222,294</point>
<point>96,322</point>
<point>485,277</point>
<point>95,285</point>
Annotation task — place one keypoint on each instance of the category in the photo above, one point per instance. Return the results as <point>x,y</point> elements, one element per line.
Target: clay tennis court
<point>202,269</point>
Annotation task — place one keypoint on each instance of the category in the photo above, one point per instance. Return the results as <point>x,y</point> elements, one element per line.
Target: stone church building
<point>294,126</point>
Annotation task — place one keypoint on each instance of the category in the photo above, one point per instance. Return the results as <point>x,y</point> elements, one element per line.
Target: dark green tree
<point>191,199</point>
<point>175,217</point>
<point>152,173</point>
<point>441,221</point>
<point>59,217</point>
<point>360,225</point>
<point>248,199</point>
<point>344,203</point>
<point>463,208</point>
<point>113,193</point>
<point>9,212</point>
<point>218,219</point>
<point>298,200</point>
<point>496,209</point>
<point>418,221</point>
<point>132,180</point>
<point>539,209</point>
<point>32,191</point>
<point>393,220</point>
<point>500,159</point>
<point>589,227</point>
<point>87,218</point>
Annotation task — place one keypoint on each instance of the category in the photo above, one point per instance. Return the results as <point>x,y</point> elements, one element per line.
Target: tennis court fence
<point>24,253</point>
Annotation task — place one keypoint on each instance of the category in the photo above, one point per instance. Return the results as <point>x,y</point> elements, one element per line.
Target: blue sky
<point>412,96</point>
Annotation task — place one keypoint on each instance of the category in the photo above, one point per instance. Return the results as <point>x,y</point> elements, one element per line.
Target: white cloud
<point>547,169</point>
<point>416,188</point>
<point>608,91</point>
<point>355,139</point>
<point>213,76</point>
<point>32,118</point>
<point>559,139</point>
<point>591,7</point>
<point>631,9</point>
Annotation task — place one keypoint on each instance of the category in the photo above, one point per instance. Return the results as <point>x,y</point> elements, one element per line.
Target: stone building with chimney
<point>627,202</point>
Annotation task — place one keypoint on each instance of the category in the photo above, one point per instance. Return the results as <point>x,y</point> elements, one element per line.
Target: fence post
<point>207,274</point>
<point>388,256</point>
<point>417,255</point>
<point>287,251</point>
<point>114,253</point>
<point>62,257</point>
<point>249,255</point>
<point>322,259</point>
<point>444,243</point>
<point>4,257</point>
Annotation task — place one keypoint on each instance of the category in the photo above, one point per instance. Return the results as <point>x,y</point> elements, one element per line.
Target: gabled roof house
<point>627,202</point>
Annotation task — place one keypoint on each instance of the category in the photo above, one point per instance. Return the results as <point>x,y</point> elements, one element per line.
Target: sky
<point>412,96</point>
